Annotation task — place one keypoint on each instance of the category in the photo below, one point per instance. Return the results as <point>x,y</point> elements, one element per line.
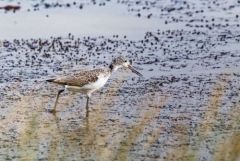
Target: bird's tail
<point>50,80</point>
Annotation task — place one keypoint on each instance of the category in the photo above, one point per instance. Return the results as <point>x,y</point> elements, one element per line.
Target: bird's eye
<point>125,61</point>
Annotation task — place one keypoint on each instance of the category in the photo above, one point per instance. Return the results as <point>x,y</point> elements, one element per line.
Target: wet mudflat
<point>186,107</point>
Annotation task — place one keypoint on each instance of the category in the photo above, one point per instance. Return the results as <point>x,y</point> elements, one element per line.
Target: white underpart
<point>91,87</point>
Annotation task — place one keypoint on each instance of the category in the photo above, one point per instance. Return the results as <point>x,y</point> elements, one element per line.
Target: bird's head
<point>120,62</point>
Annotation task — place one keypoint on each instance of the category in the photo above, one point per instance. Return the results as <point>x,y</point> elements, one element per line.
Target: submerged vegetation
<point>36,134</point>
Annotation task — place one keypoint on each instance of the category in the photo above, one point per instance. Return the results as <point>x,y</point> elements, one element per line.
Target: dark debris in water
<point>162,50</point>
<point>12,8</point>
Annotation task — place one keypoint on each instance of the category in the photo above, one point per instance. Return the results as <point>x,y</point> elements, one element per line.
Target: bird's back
<point>81,78</point>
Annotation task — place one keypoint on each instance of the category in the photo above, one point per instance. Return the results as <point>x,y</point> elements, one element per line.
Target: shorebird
<point>87,82</point>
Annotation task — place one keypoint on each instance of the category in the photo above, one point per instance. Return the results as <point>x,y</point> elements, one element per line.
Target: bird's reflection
<point>75,134</point>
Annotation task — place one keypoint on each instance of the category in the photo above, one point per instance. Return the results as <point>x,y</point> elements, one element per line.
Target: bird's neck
<point>113,67</point>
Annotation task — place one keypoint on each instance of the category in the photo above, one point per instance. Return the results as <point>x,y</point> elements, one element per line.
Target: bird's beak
<point>134,71</point>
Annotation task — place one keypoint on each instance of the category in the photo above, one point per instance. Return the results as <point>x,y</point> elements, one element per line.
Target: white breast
<point>101,81</point>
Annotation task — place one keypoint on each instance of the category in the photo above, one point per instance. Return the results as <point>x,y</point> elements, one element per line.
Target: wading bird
<point>87,82</point>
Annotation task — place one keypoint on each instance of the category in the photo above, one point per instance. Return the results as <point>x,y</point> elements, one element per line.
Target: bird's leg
<point>87,111</point>
<point>55,105</point>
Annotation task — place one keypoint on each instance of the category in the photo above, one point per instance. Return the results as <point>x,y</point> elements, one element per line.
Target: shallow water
<point>186,107</point>
<point>108,20</point>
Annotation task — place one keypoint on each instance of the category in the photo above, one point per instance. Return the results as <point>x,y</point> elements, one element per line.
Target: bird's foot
<point>52,111</point>
<point>87,114</point>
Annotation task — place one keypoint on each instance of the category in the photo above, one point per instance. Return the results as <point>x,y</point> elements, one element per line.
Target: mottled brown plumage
<point>80,78</point>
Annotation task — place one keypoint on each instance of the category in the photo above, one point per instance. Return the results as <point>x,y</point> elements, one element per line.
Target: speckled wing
<point>79,79</point>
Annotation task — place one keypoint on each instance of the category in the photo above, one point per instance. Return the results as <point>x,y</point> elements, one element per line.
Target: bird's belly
<point>76,89</point>
<point>96,85</point>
